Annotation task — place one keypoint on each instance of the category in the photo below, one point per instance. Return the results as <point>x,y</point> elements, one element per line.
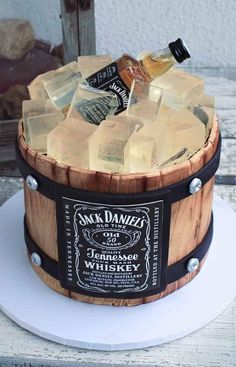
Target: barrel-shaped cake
<point>118,239</point>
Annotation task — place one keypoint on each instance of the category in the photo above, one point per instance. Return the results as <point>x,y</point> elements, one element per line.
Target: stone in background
<point>16,38</point>
<point>11,102</point>
<point>22,58</point>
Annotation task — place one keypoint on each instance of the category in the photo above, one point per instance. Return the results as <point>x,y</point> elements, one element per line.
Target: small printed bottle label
<point>112,250</point>
<point>95,110</point>
<point>108,79</point>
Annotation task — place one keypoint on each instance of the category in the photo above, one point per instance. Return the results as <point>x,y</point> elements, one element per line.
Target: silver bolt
<point>195,185</point>
<point>193,264</point>
<point>36,259</point>
<point>32,183</point>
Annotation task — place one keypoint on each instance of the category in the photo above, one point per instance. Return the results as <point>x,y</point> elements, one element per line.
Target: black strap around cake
<point>179,190</point>
<point>173,273</point>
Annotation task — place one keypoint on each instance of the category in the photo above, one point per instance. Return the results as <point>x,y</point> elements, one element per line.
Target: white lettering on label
<point>111,267</point>
<point>109,217</point>
<point>93,254</point>
<point>121,92</point>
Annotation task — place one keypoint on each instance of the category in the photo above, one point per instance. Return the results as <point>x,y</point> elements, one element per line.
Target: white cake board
<point>37,308</point>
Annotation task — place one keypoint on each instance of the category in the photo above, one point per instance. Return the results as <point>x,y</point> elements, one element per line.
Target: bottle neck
<point>165,55</point>
<point>158,62</point>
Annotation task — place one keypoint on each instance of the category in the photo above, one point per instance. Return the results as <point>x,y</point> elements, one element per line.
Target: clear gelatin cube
<point>205,111</point>
<point>181,156</point>
<point>62,85</point>
<point>92,105</point>
<point>206,101</point>
<point>180,89</point>
<point>206,116</point>
<point>107,145</point>
<point>143,148</point>
<point>68,142</point>
<point>144,101</point>
<point>39,128</point>
<point>36,87</point>
<point>39,118</point>
<point>190,137</point>
<point>140,153</point>
<point>211,115</point>
<point>88,65</point>
<point>182,130</point>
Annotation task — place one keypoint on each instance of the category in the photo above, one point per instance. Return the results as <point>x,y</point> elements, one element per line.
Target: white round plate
<point>37,308</point>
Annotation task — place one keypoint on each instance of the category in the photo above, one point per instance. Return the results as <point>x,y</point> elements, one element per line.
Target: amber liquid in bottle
<point>158,63</point>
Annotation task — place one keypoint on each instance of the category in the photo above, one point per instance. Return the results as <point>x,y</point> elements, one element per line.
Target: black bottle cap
<point>179,50</point>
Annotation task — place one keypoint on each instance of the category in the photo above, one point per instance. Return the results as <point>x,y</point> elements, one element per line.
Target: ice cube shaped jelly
<point>39,118</point>
<point>61,86</point>
<point>205,111</point>
<point>90,64</point>
<point>107,145</point>
<point>144,146</point>
<point>68,142</point>
<point>92,105</point>
<point>36,87</point>
<point>180,89</point>
<point>182,130</point>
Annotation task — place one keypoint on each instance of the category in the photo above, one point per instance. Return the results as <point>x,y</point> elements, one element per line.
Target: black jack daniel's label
<point>112,250</point>
<point>108,79</point>
<point>95,110</point>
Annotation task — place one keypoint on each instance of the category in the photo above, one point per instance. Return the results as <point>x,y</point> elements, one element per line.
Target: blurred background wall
<point>207,26</point>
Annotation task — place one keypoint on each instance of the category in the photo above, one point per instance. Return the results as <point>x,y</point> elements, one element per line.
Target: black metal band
<point>174,272</point>
<point>179,190</point>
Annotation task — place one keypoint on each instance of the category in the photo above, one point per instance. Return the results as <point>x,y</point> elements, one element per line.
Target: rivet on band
<point>195,185</point>
<point>32,183</point>
<point>192,264</point>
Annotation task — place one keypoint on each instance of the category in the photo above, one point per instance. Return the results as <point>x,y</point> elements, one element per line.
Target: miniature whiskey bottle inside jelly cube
<point>68,142</point>
<point>90,64</point>
<point>62,85</point>
<point>92,105</point>
<point>39,118</point>
<point>180,89</point>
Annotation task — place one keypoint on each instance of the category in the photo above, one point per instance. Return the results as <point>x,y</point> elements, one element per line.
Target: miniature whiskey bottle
<point>119,75</point>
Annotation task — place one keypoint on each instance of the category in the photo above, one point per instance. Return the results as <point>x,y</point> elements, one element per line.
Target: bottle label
<point>113,250</point>
<point>108,79</point>
<point>95,110</point>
